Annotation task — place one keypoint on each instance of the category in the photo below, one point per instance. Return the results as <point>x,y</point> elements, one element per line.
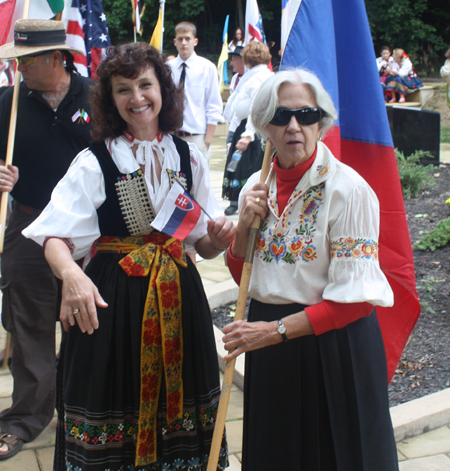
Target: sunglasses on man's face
<point>28,60</point>
<point>304,116</point>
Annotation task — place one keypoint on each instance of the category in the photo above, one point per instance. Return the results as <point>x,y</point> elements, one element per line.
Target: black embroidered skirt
<point>102,379</point>
<point>318,403</point>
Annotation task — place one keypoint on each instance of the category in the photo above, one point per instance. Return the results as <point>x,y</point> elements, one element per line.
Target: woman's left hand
<point>242,336</point>
<point>221,232</point>
<point>243,143</point>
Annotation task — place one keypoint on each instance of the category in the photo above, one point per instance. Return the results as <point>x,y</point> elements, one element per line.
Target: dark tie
<point>183,74</point>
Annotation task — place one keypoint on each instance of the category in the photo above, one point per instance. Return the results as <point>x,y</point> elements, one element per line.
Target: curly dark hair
<point>130,61</point>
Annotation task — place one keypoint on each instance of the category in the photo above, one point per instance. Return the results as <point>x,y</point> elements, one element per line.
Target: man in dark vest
<point>52,127</point>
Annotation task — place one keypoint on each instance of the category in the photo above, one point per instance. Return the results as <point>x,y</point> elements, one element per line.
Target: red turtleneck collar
<point>287,179</point>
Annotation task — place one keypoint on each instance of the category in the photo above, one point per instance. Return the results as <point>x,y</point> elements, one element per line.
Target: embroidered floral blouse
<point>324,245</point>
<point>72,211</point>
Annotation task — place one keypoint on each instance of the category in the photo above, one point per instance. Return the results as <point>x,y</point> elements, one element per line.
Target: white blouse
<point>325,243</point>
<point>72,211</point>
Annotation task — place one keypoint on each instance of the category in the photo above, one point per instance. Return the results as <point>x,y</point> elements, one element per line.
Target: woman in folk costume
<point>402,77</point>
<point>142,389</point>
<point>315,396</point>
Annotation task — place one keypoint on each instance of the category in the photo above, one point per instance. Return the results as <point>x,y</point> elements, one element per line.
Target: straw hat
<point>33,36</point>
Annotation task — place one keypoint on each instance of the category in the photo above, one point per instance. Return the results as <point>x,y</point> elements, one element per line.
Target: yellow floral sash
<point>162,334</point>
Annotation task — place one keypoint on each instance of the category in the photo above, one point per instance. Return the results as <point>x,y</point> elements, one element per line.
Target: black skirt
<point>102,379</point>
<point>318,403</point>
<point>250,163</point>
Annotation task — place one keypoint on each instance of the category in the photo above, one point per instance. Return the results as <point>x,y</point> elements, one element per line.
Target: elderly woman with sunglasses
<point>315,373</point>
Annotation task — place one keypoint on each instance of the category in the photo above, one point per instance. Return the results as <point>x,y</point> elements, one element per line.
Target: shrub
<point>414,176</point>
<point>438,237</point>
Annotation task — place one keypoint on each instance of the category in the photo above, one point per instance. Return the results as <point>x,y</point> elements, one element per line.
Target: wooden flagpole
<point>240,311</point>
<point>11,138</point>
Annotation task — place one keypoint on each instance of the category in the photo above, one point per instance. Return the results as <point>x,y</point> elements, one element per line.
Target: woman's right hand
<point>8,177</point>
<point>79,292</point>
<point>255,203</point>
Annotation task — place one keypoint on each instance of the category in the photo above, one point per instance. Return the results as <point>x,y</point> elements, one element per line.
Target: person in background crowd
<point>238,39</point>
<point>256,57</point>
<point>200,80</point>
<point>445,74</point>
<point>239,68</point>
<point>383,62</point>
<point>53,125</point>
<point>402,77</point>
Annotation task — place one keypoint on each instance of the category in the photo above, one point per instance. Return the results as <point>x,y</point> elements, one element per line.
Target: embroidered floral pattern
<point>177,176</point>
<point>354,248</point>
<point>323,169</point>
<point>104,432</point>
<point>291,241</point>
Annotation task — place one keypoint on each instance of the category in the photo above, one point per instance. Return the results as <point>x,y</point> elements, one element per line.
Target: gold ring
<point>76,311</point>
<point>257,200</point>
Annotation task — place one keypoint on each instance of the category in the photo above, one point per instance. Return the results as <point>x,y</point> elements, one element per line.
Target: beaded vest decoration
<point>135,203</point>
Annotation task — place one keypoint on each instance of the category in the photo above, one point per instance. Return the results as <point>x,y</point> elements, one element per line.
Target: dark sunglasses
<point>304,116</point>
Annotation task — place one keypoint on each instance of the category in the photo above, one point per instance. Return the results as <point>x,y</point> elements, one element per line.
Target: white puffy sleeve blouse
<point>72,211</point>
<point>325,243</point>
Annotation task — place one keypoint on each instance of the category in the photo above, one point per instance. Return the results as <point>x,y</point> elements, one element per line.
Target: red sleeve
<point>235,265</point>
<point>329,315</point>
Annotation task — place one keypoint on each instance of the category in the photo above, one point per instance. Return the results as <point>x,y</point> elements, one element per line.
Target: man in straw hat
<point>52,127</point>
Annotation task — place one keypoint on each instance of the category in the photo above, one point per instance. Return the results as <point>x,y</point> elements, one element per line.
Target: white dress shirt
<point>203,104</point>
<point>239,104</point>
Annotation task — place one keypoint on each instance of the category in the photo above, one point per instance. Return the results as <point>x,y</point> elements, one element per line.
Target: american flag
<point>87,31</point>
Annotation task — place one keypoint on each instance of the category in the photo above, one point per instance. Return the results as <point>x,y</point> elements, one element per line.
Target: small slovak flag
<point>179,214</point>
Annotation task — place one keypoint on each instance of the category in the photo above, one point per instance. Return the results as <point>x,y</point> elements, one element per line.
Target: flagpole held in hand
<point>240,311</point>
<point>11,138</point>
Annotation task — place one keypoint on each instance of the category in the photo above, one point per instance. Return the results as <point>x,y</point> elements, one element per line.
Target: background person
<point>239,68</point>
<point>445,74</point>
<point>238,40</point>
<point>200,80</point>
<point>315,394</point>
<point>383,62</point>
<point>50,131</point>
<point>256,57</point>
<point>402,77</point>
<point>149,370</point>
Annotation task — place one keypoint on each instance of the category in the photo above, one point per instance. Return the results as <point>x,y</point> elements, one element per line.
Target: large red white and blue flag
<point>178,215</point>
<point>326,37</point>
<point>87,31</point>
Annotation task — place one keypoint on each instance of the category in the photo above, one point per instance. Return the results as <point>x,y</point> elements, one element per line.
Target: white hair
<point>266,101</point>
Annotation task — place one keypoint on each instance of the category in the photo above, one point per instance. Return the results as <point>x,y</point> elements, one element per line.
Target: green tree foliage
<point>420,27</point>
<point>208,15</point>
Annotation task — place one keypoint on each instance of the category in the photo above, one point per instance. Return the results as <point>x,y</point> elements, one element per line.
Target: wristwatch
<point>282,330</point>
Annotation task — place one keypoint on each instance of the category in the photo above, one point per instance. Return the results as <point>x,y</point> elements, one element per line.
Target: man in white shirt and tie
<point>203,104</point>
